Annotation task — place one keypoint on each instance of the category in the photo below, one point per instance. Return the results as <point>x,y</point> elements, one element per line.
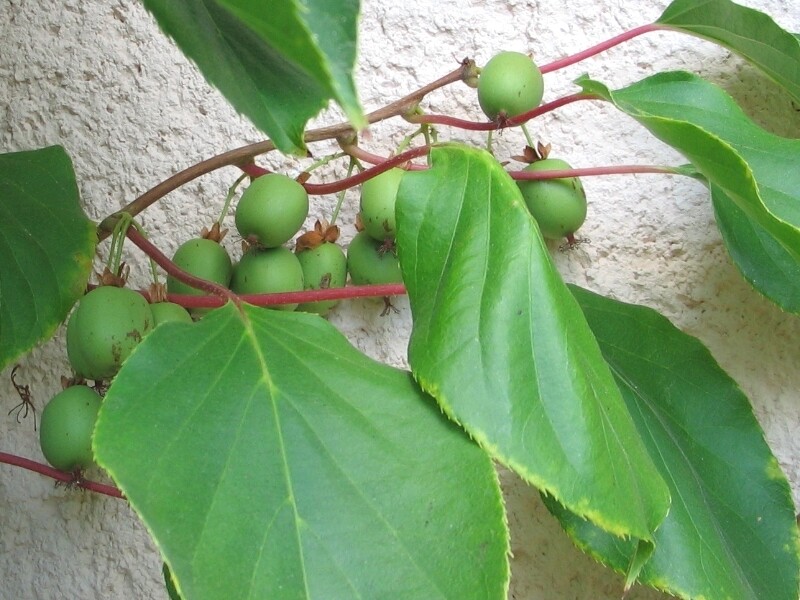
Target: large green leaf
<point>277,62</point>
<point>318,35</point>
<point>750,33</point>
<point>755,174</point>
<point>731,530</point>
<point>46,247</point>
<point>500,342</point>
<point>271,459</point>
<point>768,265</point>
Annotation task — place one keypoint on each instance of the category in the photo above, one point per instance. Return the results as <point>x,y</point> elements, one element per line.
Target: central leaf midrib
<point>267,380</point>
<point>291,351</point>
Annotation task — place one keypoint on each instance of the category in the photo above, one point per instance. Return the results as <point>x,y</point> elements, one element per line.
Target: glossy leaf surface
<point>752,34</point>
<point>271,459</point>
<point>731,531</point>
<point>500,342</point>
<point>754,174</point>
<point>276,62</point>
<point>46,247</point>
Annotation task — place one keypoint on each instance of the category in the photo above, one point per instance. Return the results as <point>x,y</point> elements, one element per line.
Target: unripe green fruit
<point>271,210</point>
<point>202,258</point>
<point>368,264</point>
<point>510,83</point>
<point>558,205</point>
<point>324,267</point>
<point>104,329</point>
<point>66,427</point>
<point>378,197</point>
<point>164,312</point>
<point>267,271</point>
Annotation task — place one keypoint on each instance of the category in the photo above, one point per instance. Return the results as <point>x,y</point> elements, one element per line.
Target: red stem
<point>219,295</point>
<point>591,171</point>
<point>384,164</point>
<point>165,263</point>
<point>548,107</point>
<point>343,293</point>
<point>374,159</point>
<point>601,47</point>
<point>253,170</point>
<point>348,182</point>
<point>500,124</point>
<point>31,465</point>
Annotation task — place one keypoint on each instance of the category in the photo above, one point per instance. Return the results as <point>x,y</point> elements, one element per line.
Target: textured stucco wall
<point>99,78</point>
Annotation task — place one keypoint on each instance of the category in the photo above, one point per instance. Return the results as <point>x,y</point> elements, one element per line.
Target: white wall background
<point>99,78</point>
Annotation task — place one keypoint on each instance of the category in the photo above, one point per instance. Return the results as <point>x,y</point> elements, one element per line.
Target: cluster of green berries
<point>110,321</point>
<point>271,212</point>
<point>103,330</point>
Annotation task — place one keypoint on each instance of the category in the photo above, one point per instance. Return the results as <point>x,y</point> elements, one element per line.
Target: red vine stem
<point>348,182</point>
<point>343,293</point>
<point>601,47</point>
<point>253,170</point>
<point>219,295</point>
<point>245,154</point>
<point>172,269</point>
<point>592,171</point>
<point>376,159</point>
<point>500,124</point>
<point>31,465</point>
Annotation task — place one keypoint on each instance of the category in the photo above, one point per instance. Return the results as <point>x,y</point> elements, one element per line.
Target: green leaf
<point>169,583</point>
<point>731,530</point>
<point>753,173</point>
<point>318,35</point>
<point>766,264</point>
<point>747,32</point>
<point>499,341</point>
<point>271,459</point>
<point>46,247</point>
<point>276,62</point>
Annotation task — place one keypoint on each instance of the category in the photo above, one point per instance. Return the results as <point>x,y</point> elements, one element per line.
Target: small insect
<point>26,405</point>
<point>388,307</point>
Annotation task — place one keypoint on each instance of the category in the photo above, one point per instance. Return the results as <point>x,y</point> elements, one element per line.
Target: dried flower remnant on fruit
<point>215,233</point>
<point>322,232</point>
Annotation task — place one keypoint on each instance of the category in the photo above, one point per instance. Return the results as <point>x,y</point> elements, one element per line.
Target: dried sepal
<point>108,277</point>
<point>215,234</point>
<point>322,232</point>
<point>308,241</point>
<point>543,150</point>
<point>157,292</point>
